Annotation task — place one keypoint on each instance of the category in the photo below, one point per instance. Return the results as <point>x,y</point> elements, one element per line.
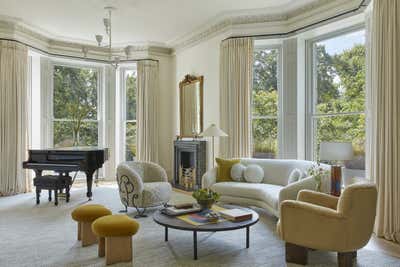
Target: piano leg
<point>89,183</point>
<point>38,173</point>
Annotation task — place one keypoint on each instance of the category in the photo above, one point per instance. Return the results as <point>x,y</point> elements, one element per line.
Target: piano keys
<point>64,160</point>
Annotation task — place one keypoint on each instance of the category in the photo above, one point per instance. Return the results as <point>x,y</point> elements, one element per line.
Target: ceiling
<point>135,21</point>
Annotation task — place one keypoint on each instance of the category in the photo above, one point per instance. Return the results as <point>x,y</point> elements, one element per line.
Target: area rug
<point>45,235</point>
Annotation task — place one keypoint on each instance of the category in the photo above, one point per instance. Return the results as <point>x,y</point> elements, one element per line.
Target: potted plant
<point>205,197</point>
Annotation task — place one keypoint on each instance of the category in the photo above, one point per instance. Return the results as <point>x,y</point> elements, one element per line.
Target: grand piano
<point>65,160</point>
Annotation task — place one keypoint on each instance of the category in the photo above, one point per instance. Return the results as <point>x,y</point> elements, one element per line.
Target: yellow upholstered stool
<point>85,215</point>
<point>115,237</point>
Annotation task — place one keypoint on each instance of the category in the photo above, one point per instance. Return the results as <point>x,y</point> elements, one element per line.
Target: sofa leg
<point>296,254</point>
<point>345,259</point>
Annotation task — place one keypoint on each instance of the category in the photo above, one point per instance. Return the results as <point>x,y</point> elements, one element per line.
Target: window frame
<point>311,88</point>
<point>122,103</point>
<point>279,115</point>
<point>100,98</point>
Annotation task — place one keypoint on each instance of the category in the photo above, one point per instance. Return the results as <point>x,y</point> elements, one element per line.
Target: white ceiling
<point>135,21</point>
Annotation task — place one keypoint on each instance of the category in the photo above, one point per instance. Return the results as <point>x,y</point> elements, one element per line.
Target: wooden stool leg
<point>345,259</point>
<point>118,249</point>
<point>296,254</point>
<point>87,235</point>
<point>102,247</point>
<point>79,231</point>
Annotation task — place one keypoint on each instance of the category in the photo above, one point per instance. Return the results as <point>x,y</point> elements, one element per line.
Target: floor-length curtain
<point>385,103</point>
<point>13,117</point>
<point>147,103</point>
<point>236,78</point>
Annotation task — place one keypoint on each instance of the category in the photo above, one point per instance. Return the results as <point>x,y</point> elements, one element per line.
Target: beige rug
<point>45,235</point>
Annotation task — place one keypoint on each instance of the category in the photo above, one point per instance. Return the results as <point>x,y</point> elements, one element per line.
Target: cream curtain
<point>384,99</point>
<point>236,78</point>
<point>13,117</point>
<point>147,103</point>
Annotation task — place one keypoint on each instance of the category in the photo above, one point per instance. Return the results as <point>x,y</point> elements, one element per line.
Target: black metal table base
<point>195,240</point>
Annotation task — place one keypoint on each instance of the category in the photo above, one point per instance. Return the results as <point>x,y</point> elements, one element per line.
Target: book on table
<point>180,210</point>
<point>236,215</point>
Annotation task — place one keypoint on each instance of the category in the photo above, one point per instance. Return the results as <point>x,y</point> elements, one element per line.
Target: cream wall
<point>202,59</point>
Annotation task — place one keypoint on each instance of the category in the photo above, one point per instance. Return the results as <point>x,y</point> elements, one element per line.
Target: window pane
<point>265,138</point>
<point>130,141</point>
<point>130,83</point>
<point>340,74</point>
<point>265,82</point>
<point>75,93</point>
<point>64,137</point>
<point>346,128</point>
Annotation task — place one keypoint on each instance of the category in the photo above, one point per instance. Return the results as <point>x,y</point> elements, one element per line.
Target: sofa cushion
<point>254,174</point>
<point>224,169</point>
<point>277,171</point>
<point>237,172</point>
<point>295,175</point>
<point>264,192</point>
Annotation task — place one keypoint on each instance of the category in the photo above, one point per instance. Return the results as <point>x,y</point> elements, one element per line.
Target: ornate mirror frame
<point>188,80</point>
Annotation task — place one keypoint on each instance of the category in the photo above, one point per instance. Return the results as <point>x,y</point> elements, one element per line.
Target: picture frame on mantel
<point>191,106</point>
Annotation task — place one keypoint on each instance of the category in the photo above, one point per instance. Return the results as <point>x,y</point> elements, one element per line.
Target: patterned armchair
<point>142,185</point>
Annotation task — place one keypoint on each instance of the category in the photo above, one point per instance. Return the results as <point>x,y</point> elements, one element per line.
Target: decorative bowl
<point>206,203</point>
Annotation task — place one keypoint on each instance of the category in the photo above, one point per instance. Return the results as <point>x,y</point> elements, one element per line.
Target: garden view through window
<point>339,94</point>
<point>75,106</point>
<point>265,103</point>
<point>130,114</point>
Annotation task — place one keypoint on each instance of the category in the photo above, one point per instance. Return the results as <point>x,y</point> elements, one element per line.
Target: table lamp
<point>337,152</point>
<point>213,131</point>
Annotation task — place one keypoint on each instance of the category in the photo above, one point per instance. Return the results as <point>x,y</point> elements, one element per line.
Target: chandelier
<point>114,60</point>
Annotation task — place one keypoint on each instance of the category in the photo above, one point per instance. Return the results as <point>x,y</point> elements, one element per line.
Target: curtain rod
<point>292,32</point>
<point>76,57</point>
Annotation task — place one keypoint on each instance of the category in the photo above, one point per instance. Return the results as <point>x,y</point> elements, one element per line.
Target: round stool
<point>115,237</point>
<point>85,215</point>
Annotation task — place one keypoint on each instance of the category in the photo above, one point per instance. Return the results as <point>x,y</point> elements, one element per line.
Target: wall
<point>202,59</point>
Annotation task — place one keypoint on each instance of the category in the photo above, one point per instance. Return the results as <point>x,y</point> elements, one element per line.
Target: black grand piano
<point>64,160</point>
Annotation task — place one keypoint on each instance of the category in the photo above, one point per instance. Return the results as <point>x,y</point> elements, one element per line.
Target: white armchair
<point>142,185</point>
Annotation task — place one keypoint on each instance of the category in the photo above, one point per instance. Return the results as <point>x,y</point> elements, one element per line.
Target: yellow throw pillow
<point>224,169</point>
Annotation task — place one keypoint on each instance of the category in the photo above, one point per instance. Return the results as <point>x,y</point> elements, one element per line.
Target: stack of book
<point>236,215</point>
<point>181,209</point>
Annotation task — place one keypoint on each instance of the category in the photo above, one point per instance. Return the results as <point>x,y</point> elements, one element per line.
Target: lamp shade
<point>336,151</point>
<point>213,130</point>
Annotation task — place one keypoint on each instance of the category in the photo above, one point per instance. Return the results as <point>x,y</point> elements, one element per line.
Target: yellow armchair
<point>320,221</point>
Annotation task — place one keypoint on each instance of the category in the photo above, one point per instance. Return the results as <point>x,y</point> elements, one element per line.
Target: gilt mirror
<point>191,106</point>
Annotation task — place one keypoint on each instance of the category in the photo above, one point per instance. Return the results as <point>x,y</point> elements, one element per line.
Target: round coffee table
<point>175,223</point>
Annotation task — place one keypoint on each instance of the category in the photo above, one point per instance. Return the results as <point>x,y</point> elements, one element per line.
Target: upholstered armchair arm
<point>290,191</point>
<point>209,178</point>
<point>129,179</point>
<point>312,226</point>
<point>318,198</point>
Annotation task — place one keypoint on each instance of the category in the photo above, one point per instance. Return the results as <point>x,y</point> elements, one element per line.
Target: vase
<point>318,186</point>
<point>75,138</point>
<point>206,204</point>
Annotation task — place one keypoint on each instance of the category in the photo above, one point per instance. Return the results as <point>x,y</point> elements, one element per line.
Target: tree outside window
<point>265,103</point>
<point>130,119</point>
<point>75,111</point>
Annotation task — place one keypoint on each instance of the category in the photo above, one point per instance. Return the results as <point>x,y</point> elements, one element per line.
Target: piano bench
<point>52,182</point>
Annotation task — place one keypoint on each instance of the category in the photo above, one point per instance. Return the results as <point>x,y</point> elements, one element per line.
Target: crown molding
<point>253,24</point>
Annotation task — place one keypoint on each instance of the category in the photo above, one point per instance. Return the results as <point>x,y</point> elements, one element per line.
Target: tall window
<point>338,97</point>
<point>129,91</point>
<point>75,106</point>
<point>265,103</point>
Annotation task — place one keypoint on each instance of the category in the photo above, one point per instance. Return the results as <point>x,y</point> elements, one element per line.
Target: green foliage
<point>130,135</point>
<point>205,194</point>
<point>75,106</point>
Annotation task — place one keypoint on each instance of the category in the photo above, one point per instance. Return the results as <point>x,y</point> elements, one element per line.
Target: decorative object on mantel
<point>191,106</point>
<point>336,151</point>
<point>114,60</point>
<point>213,131</point>
<point>189,163</point>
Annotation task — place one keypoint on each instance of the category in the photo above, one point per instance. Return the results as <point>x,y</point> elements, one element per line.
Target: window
<point>338,95</point>
<point>75,106</point>
<point>129,114</point>
<point>265,103</point>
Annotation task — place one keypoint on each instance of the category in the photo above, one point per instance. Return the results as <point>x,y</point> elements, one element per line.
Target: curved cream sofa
<point>274,188</point>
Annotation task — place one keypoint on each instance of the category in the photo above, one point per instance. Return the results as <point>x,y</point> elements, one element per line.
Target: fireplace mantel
<point>189,158</point>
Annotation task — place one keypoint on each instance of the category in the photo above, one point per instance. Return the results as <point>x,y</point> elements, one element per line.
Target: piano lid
<point>79,148</point>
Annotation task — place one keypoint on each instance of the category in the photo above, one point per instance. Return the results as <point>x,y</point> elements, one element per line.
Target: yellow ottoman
<point>85,215</point>
<point>115,237</point>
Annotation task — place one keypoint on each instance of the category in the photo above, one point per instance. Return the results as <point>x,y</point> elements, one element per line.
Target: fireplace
<point>190,163</point>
